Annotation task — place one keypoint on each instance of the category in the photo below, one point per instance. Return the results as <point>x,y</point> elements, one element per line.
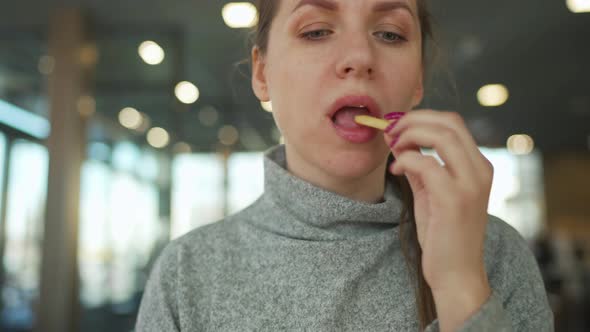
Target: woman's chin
<point>353,164</point>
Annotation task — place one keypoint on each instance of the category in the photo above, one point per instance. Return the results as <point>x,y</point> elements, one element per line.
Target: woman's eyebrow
<point>326,4</point>
<point>386,6</point>
<point>383,6</point>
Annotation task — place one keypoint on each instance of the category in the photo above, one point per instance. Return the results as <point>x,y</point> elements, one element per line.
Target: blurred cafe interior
<point>126,124</point>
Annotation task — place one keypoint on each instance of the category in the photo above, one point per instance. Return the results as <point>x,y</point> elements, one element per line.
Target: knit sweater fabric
<point>304,258</point>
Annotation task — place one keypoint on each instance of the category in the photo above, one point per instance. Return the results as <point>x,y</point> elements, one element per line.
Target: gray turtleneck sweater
<point>303,258</point>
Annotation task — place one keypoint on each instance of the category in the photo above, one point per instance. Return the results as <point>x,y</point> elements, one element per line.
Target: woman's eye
<point>387,36</point>
<point>390,37</point>
<point>316,34</point>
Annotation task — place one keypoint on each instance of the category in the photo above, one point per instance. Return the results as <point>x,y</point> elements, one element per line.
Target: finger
<point>433,177</point>
<point>392,141</point>
<point>446,143</point>
<point>451,120</point>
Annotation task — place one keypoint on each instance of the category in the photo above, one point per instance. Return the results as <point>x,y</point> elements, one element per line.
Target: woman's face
<point>322,50</point>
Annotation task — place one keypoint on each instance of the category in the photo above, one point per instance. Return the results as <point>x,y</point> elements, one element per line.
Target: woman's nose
<point>356,57</point>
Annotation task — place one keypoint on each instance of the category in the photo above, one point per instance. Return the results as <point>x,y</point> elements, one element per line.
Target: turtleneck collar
<point>297,208</point>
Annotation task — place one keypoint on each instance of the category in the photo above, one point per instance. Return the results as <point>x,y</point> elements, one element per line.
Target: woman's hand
<point>450,207</point>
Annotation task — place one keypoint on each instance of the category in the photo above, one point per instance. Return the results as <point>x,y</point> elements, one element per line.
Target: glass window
<point>120,235</point>
<point>197,192</point>
<point>27,186</point>
<point>119,229</point>
<point>246,180</point>
<point>517,194</point>
<point>24,65</point>
<point>94,253</point>
<point>126,156</point>
<point>2,170</point>
<point>149,167</point>
<point>133,229</point>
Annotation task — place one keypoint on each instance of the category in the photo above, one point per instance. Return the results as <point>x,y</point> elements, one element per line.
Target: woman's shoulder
<point>515,277</point>
<point>501,235</point>
<point>503,242</point>
<point>508,256</point>
<point>513,271</point>
<point>212,238</point>
<point>185,266</point>
<point>505,246</point>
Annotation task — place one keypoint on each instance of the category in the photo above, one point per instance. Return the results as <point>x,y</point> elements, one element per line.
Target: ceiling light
<point>228,135</point>
<point>208,116</point>
<point>186,92</point>
<point>240,15</point>
<point>578,6</point>
<point>158,137</point>
<point>146,123</point>
<point>86,106</point>
<point>520,144</point>
<point>492,95</point>
<point>130,118</point>
<point>151,52</point>
<point>182,148</point>
<point>266,105</point>
<point>88,55</point>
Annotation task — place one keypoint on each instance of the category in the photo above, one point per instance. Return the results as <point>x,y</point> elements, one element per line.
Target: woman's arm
<point>518,301</point>
<point>450,208</point>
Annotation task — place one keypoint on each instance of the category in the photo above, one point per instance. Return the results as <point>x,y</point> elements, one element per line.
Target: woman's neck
<point>368,188</point>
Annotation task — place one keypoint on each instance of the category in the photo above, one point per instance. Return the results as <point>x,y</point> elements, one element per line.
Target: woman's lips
<point>346,127</point>
<point>354,101</point>
<point>356,135</point>
<point>351,131</point>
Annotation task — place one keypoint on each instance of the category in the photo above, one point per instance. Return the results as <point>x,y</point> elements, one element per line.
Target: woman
<point>341,240</point>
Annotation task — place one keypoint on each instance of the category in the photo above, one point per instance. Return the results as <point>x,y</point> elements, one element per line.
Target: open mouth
<point>344,117</point>
<point>343,113</point>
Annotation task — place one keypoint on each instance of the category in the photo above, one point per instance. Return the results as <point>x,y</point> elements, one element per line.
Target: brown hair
<point>408,235</point>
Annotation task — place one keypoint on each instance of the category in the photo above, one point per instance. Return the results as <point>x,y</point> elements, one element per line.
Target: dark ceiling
<point>539,49</point>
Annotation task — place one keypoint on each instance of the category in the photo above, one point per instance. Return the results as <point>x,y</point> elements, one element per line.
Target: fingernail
<point>394,115</point>
<point>391,126</point>
<point>393,142</point>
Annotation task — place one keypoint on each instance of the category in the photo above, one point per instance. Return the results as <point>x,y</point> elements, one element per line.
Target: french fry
<point>369,121</point>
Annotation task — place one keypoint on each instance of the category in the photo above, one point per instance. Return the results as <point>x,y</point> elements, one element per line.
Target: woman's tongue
<point>345,117</point>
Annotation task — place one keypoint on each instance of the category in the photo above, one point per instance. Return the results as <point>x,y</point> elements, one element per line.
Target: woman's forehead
<point>292,6</point>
